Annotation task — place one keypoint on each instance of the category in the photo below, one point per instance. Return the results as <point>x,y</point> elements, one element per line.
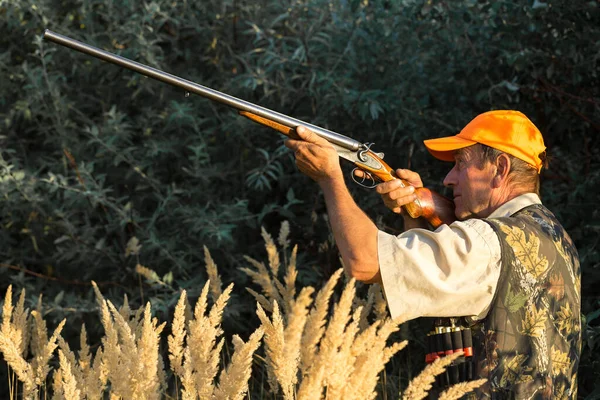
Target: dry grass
<point>420,386</point>
<point>312,351</point>
<point>460,389</point>
<point>314,347</point>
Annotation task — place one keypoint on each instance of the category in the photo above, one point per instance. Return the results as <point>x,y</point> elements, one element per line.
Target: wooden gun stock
<point>434,207</point>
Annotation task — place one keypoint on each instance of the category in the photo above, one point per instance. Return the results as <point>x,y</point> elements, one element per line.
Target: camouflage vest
<point>530,341</point>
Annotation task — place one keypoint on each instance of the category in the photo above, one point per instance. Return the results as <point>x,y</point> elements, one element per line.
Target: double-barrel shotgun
<point>435,208</point>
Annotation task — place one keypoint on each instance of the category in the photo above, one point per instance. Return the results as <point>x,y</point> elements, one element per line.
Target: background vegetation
<point>96,161</point>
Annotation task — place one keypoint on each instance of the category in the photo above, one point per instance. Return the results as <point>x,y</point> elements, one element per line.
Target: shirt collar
<point>518,203</point>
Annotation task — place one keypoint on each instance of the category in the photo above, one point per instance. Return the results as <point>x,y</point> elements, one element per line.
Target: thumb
<point>413,178</point>
<point>309,136</point>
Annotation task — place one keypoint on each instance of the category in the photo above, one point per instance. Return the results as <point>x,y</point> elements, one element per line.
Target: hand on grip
<point>398,192</point>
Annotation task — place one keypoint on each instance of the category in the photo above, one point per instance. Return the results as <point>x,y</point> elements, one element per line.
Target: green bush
<point>92,156</point>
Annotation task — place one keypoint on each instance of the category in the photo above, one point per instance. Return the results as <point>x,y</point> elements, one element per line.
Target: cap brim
<point>443,148</point>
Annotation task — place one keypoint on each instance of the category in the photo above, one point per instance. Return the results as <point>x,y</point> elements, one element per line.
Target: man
<point>506,262</point>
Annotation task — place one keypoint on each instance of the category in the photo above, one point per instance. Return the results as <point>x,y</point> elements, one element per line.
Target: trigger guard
<point>370,177</point>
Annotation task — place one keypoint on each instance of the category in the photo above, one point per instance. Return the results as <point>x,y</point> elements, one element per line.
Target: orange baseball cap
<point>506,130</point>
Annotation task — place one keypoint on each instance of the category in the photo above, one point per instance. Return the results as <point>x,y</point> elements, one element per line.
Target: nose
<point>450,179</point>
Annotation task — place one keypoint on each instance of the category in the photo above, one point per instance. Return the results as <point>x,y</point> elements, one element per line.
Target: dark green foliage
<point>92,155</point>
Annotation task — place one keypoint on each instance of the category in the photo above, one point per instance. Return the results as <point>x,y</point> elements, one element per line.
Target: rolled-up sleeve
<point>452,271</point>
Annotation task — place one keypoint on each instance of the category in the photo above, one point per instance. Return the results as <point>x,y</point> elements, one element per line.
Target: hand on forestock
<point>315,156</point>
<point>394,195</point>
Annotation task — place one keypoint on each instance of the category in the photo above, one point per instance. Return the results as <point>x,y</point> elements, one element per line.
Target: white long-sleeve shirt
<point>452,271</point>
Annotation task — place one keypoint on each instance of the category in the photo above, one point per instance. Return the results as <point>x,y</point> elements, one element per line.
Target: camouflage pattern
<point>530,342</point>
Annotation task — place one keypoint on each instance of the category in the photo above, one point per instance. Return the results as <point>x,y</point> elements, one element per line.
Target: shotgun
<point>435,208</point>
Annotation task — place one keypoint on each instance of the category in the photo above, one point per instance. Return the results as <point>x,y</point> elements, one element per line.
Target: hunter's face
<point>471,183</point>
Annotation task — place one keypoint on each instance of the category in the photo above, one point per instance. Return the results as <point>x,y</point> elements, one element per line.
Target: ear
<point>502,169</point>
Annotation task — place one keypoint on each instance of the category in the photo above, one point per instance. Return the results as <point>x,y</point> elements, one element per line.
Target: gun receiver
<point>435,208</point>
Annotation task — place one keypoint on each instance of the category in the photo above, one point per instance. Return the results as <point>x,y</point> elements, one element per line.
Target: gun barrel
<point>203,91</point>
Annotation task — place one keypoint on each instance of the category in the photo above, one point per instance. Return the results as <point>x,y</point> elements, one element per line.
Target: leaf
<point>534,322</point>
<point>510,86</point>
<point>280,18</point>
<point>565,319</point>
<point>514,301</point>
<point>61,239</point>
<point>513,369</point>
<point>299,54</point>
<point>168,278</point>
<point>592,316</point>
<point>100,244</point>
<point>133,247</point>
<point>560,361</point>
<point>375,109</point>
<point>527,252</point>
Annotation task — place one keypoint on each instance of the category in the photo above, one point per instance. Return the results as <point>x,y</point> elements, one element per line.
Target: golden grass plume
<point>458,390</point>
<point>422,383</point>
<point>329,344</point>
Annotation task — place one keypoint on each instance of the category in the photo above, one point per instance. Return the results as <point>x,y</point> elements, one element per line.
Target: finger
<point>363,176</point>
<point>393,206</point>
<point>406,173</point>
<point>402,201</point>
<point>389,186</point>
<point>292,144</point>
<point>309,136</point>
<point>401,193</point>
<point>299,147</point>
<point>412,177</point>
